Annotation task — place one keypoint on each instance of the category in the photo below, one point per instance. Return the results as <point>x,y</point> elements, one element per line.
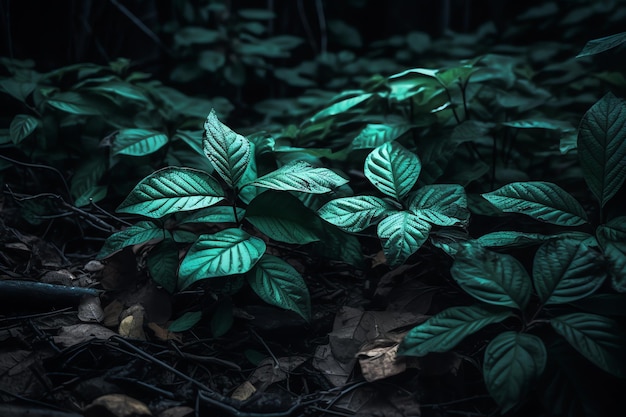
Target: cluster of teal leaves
<point>199,217</point>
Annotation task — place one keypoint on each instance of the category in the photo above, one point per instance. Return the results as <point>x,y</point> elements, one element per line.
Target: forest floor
<point>88,337</point>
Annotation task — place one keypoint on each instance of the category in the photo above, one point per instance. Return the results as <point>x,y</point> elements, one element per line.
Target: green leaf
<point>141,232</point>
<point>300,176</point>
<point>599,339</point>
<point>256,14</point>
<point>282,217</point>
<point>445,330</point>
<point>513,363</point>
<point>163,264</point>
<point>540,124</point>
<point>440,204</point>
<point>402,234</point>
<point>211,60</point>
<point>228,151</point>
<point>599,45</point>
<point>84,186</point>
<point>279,284</point>
<point>19,90</point>
<point>392,169</point>
<point>339,245</point>
<point>612,239</point>
<point>354,214</point>
<point>189,35</point>
<point>374,135</point>
<point>227,252</point>
<point>138,142</point>
<point>341,107</point>
<point>543,201</point>
<point>511,239</point>
<point>170,190</point>
<point>122,89</point>
<point>566,270</point>
<point>214,214</point>
<point>491,277</point>
<point>185,322</point>
<point>602,147</point>
<point>76,103</point>
<point>21,127</point>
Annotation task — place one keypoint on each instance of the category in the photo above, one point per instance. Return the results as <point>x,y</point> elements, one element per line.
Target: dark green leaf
<point>163,264</point>
<point>492,277</point>
<point>76,103</point>
<point>283,217</point>
<point>141,232</point>
<point>542,201</point>
<point>511,239</point>
<point>445,330</point>
<point>227,252</point>
<point>599,45</point>
<point>374,135</point>
<point>171,190</point>
<point>279,284</point>
<point>138,142</point>
<point>600,339</point>
<point>192,34</point>
<point>214,214</point>
<point>602,147</point>
<point>21,126</point>
<point>513,363</point>
<point>566,270</point>
<point>222,319</point>
<point>185,322</point>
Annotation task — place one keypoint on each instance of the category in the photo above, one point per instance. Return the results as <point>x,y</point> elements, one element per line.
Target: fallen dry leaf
<point>90,310</point>
<point>116,405</point>
<point>79,333</point>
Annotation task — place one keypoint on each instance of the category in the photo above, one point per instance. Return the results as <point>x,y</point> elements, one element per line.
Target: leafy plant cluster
<point>276,187</point>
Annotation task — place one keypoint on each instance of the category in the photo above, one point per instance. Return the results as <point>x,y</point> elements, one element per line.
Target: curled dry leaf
<point>116,405</point>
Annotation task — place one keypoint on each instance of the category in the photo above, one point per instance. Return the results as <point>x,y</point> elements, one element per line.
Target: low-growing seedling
<point>209,219</point>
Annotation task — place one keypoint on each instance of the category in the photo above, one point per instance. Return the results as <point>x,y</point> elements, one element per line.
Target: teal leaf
<point>300,176</point>
<point>163,264</point>
<point>440,204</point>
<point>171,190</point>
<point>392,169</point>
<point>566,270</point>
<point>189,35</point>
<point>340,246</point>
<point>84,186</point>
<point>21,127</point>
<point>141,232</point>
<point>443,331</point>
<point>228,151</point>
<point>227,252</point>
<point>354,214</point>
<point>543,201</point>
<point>185,322</point>
<point>402,234</point>
<point>211,60</point>
<point>121,89</point>
<point>602,147</point>
<point>492,277</point>
<point>513,363</point>
<point>596,46</point>
<point>279,284</point>
<point>76,103</point>
<point>282,217</point>
<point>612,238</point>
<point>599,339</point>
<point>374,135</point>
<point>138,142</point>
<point>214,214</point>
<point>511,239</point>
<point>341,106</point>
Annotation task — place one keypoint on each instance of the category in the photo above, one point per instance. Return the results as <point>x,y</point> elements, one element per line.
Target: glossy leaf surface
<point>402,234</point>
<point>392,169</point>
<point>354,214</point>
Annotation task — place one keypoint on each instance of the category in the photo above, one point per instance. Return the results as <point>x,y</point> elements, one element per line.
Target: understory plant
<point>223,225</point>
<point>564,304</point>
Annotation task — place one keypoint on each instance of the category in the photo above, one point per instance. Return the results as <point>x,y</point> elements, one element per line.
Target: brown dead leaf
<point>164,334</point>
<point>116,405</point>
<point>90,310</point>
<point>22,373</point>
<point>378,359</point>
<point>180,411</point>
<point>112,313</point>
<point>336,372</point>
<point>78,333</point>
<point>269,372</point>
<point>62,277</point>
<point>243,391</point>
